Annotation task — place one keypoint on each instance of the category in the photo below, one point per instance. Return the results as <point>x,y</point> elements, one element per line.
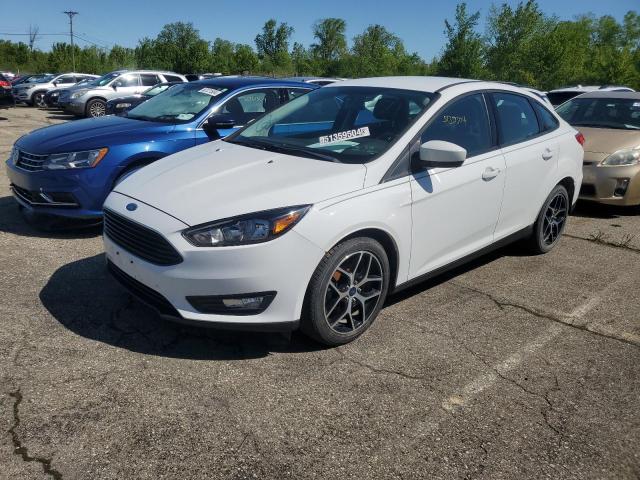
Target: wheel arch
<point>570,184</point>
<point>388,243</point>
<point>96,97</point>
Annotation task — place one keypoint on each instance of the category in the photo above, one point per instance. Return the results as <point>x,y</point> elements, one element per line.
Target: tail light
<point>580,138</point>
<point>4,83</point>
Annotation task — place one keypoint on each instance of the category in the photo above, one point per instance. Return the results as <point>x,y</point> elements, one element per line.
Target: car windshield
<point>178,104</point>
<point>618,113</point>
<point>343,123</point>
<point>45,79</point>
<point>153,91</point>
<point>103,80</point>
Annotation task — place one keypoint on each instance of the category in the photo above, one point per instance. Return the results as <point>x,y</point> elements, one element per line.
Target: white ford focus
<point>313,213</point>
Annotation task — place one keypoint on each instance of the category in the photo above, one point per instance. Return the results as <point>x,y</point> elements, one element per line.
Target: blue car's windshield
<point>178,104</point>
<point>103,80</point>
<point>343,123</point>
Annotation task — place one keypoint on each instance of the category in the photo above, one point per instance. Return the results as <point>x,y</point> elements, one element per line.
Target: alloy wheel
<point>39,100</point>
<point>97,109</point>
<point>353,292</point>
<point>554,219</point>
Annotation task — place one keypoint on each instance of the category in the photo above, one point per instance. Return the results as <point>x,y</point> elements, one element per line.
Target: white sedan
<point>309,216</point>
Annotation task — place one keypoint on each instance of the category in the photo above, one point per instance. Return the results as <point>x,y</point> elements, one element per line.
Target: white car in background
<point>32,93</point>
<point>561,95</point>
<point>313,213</point>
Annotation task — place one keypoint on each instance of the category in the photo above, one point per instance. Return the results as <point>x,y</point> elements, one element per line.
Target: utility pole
<point>72,14</point>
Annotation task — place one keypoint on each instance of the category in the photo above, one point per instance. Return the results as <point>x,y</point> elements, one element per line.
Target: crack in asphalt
<point>562,320</point>
<point>19,448</point>
<point>378,370</point>
<point>600,240</point>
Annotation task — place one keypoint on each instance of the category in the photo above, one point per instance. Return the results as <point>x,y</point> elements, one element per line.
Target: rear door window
<point>517,122</point>
<point>172,78</point>
<point>149,79</point>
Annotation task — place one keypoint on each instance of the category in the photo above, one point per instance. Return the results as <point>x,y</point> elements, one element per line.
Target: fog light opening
<point>621,187</point>
<point>239,304</point>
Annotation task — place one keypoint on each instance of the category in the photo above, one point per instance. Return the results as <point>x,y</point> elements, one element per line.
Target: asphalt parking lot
<point>512,367</point>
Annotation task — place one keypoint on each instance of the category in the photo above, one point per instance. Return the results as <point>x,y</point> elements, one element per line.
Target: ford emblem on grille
<point>131,207</point>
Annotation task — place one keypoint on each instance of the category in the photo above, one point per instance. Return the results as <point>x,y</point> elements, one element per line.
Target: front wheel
<point>551,221</point>
<point>37,100</point>
<point>96,108</point>
<point>346,292</point>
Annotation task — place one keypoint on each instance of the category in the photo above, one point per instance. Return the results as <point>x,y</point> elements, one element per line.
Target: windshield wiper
<point>285,148</point>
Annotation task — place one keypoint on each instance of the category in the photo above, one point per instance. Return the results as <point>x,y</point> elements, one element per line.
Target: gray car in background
<point>90,100</point>
<point>32,93</point>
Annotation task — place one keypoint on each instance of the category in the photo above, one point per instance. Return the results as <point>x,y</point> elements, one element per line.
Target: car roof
<point>611,94</point>
<point>240,82</point>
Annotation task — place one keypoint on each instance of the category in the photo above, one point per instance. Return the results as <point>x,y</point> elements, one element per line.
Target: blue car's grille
<point>140,240</point>
<point>30,161</point>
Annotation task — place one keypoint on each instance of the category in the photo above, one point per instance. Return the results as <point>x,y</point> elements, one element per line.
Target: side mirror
<point>217,122</point>
<point>55,84</point>
<point>114,86</point>
<point>438,153</point>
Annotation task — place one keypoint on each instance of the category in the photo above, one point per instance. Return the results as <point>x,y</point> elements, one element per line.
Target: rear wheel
<point>551,221</point>
<point>346,292</point>
<point>96,108</point>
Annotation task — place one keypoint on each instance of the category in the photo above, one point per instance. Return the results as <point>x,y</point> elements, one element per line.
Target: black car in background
<point>120,105</point>
<point>52,96</point>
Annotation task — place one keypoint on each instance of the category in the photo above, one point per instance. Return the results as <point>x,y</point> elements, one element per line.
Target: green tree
<point>331,44</point>
<point>464,51</point>
<point>273,46</point>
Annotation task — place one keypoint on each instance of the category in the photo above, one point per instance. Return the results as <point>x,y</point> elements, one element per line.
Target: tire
<point>37,100</point>
<point>333,312</point>
<point>551,221</point>
<point>96,108</point>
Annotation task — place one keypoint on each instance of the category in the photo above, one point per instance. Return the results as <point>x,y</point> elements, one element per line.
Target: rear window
<point>557,98</point>
<point>172,78</point>
<point>617,113</point>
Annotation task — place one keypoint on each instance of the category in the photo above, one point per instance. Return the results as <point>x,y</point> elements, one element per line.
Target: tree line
<point>520,44</point>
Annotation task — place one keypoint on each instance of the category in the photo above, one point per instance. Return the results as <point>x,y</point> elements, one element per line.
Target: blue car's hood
<point>92,133</point>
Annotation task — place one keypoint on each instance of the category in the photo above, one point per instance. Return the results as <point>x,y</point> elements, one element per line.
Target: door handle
<point>547,154</point>
<point>490,173</point>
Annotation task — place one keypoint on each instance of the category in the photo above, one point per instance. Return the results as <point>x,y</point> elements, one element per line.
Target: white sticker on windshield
<point>210,91</point>
<point>184,116</point>
<point>348,135</point>
<point>636,104</point>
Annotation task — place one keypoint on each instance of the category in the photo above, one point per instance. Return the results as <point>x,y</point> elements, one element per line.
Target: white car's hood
<point>220,180</point>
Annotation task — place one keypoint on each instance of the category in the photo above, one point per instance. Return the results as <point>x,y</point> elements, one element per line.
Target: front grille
<point>140,240</point>
<point>588,190</point>
<point>146,294</point>
<point>30,161</point>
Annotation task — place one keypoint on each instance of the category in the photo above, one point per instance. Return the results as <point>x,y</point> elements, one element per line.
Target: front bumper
<point>599,184</point>
<point>28,187</point>
<point>284,266</point>
<point>75,106</point>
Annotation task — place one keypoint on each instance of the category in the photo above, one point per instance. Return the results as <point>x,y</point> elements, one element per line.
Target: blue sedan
<point>68,170</point>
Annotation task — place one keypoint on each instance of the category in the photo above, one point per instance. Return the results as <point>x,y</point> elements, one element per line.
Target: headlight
<point>623,157</point>
<point>246,229</point>
<point>88,159</point>
<point>78,93</point>
<point>15,153</point>
<point>123,105</point>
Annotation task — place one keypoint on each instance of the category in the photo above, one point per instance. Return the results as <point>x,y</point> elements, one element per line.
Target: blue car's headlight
<point>246,229</point>
<point>15,153</point>
<point>87,159</point>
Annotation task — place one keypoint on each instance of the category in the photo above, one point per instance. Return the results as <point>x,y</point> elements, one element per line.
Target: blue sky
<point>419,23</point>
